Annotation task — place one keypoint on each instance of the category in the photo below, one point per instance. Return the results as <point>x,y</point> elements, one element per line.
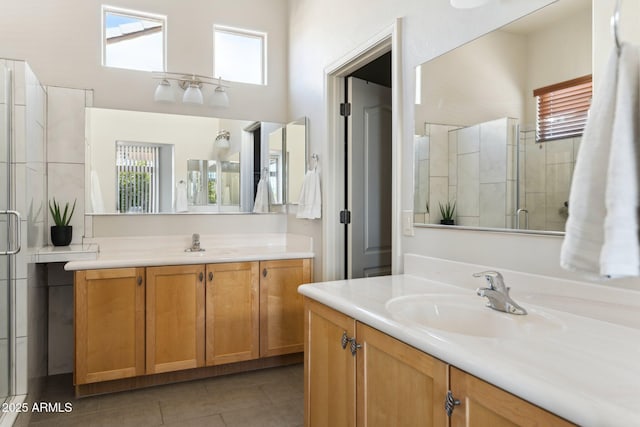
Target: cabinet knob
<point>139,280</point>
<point>264,272</point>
<point>355,346</point>
<point>211,276</point>
<point>450,403</point>
<point>201,276</point>
<point>345,340</point>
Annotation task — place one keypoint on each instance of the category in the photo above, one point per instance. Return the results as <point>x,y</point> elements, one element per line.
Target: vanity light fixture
<point>219,98</point>
<point>192,85</point>
<point>222,139</point>
<point>468,4</point>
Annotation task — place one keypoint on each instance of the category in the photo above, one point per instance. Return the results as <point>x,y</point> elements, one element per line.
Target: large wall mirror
<point>475,144</point>
<point>140,163</point>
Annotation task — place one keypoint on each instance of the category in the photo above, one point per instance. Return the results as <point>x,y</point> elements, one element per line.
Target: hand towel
<point>261,204</point>
<point>620,256</point>
<point>181,197</point>
<point>602,230</point>
<point>584,231</point>
<point>310,202</point>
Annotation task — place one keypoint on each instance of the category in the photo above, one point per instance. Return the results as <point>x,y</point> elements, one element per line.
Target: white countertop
<point>170,250</point>
<point>587,370</point>
<point>75,252</point>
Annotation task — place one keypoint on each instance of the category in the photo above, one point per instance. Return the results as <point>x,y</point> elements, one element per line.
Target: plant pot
<point>61,235</point>
<point>447,222</point>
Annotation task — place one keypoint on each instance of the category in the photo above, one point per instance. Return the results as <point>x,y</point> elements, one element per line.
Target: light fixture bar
<point>191,84</point>
<point>188,78</point>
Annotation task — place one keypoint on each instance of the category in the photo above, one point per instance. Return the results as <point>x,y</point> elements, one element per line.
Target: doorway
<point>368,165</point>
<point>336,247</point>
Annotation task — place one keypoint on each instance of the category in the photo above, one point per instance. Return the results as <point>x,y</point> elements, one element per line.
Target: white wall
<point>556,53</point>
<point>61,40</point>
<point>481,81</point>
<point>323,32</point>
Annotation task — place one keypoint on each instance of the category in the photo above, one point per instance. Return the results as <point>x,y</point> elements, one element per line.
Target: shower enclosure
<point>9,240</point>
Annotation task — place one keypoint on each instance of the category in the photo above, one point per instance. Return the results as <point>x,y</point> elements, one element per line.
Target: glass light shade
<point>164,92</point>
<point>222,143</point>
<point>468,4</point>
<point>219,98</point>
<point>193,95</point>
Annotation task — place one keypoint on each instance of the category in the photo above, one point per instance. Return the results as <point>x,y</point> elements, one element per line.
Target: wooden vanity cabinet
<point>389,383</point>
<point>109,324</point>
<point>484,405</point>
<point>232,312</point>
<point>385,382</point>
<point>396,383</point>
<point>281,306</point>
<point>329,369</point>
<point>175,319</point>
<point>132,322</point>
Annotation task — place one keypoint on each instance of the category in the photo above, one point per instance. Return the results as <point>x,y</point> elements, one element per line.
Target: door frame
<point>333,252</point>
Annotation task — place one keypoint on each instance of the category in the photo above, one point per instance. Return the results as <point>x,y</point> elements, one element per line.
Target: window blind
<point>562,109</point>
<point>138,177</point>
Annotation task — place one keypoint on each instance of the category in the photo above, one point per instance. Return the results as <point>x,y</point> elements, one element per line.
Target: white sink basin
<point>468,315</point>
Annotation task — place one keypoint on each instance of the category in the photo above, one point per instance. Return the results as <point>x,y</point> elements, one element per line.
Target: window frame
<point>134,14</point>
<point>568,99</point>
<point>263,36</point>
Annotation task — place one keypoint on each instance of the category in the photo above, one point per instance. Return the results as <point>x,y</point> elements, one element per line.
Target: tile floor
<point>269,397</point>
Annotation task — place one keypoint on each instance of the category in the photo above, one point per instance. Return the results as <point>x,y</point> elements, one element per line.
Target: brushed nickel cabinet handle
<point>264,272</point>
<point>201,276</point>
<point>139,280</point>
<point>211,276</point>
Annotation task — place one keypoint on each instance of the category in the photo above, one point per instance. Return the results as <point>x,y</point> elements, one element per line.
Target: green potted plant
<point>448,213</point>
<point>61,232</point>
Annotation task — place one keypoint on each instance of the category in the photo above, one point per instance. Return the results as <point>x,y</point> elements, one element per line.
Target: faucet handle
<point>195,237</point>
<point>491,273</point>
<point>494,279</point>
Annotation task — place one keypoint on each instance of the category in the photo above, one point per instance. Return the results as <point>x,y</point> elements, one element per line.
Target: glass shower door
<point>9,235</point>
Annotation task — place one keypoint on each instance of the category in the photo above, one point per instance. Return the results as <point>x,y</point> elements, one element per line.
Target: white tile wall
<point>28,171</point>
<point>468,194</point>
<point>493,151</point>
<point>66,183</point>
<point>66,151</point>
<point>65,131</point>
<point>492,205</point>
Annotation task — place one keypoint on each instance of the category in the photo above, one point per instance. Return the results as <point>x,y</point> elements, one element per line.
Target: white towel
<point>595,185</point>
<point>620,255</point>
<point>181,197</point>
<point>310,202</point>
<point>261,204</point>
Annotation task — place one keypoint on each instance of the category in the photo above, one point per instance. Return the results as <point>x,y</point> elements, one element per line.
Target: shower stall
<point>9,240</point>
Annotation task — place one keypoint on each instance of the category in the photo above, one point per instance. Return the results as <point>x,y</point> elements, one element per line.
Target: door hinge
<point>345,109</point>
<point>345,217</point>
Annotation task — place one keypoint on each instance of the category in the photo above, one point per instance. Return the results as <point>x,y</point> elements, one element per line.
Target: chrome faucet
<point>195,244</point>
<point>498,293</point>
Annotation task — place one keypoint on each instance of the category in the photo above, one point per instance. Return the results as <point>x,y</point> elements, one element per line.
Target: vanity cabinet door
<point>397,384</point>
<point>329,367</point>
<point>281,306</point>
<point>484,405</point>
<point>175,318</point>
<point>232,312</point>
<point>109,324</point>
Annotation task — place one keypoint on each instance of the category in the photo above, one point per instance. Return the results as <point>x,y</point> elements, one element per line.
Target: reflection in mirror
<point>276,165</point>
<point>475,140</point>
<point>296,161</point>
<point>136,161</point>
